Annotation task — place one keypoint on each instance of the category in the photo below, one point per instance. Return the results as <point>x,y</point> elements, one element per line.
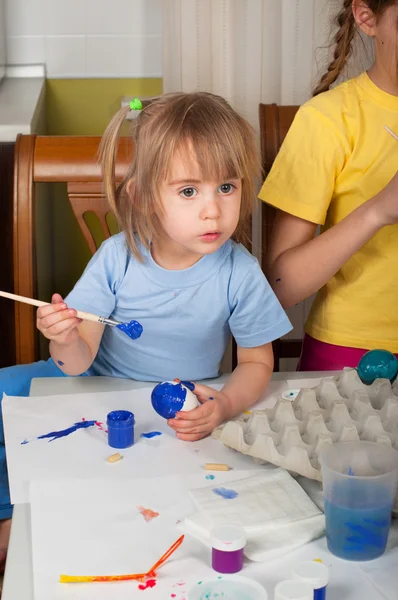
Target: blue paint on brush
<point>56,435</point>
<point>168,399</point>
<point>226,494</point>
<point>151,434</point>
<point>132,329</point>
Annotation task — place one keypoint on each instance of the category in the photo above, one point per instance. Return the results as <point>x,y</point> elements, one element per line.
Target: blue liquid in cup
<point>357,533</point>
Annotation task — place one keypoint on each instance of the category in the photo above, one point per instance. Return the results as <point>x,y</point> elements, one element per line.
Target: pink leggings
<point>320,356</point>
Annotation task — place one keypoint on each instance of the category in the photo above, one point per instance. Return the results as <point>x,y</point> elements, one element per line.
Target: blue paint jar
<point>120,425</point>
<point>315,574</point>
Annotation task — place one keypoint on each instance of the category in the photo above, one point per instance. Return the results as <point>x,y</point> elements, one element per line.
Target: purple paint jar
<point>120,425</point>
<point>315,574</point>
<point>228,542</point>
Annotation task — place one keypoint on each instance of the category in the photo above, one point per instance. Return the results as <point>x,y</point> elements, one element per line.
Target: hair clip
<point>135,104</point>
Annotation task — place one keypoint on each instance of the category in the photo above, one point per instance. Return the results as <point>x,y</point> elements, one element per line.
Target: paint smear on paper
<point>147,513</point>
<point>210,477</point>
<point>148,584</point>
<point>225,493</point>
<point>56,435</point>
<point>151,434</point>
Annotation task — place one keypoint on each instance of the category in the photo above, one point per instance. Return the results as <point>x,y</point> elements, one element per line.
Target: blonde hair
<point>222,142</point>
<point>344,38</point>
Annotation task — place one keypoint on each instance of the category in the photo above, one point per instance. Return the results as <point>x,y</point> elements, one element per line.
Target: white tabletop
<point>18,580</point>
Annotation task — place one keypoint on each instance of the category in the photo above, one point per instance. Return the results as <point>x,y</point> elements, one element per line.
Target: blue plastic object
<point>120,428</point>
<point>377,364</point>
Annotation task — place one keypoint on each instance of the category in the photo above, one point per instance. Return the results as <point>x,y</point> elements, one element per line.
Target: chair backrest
<point>275,122</point>
<point>70,160</point>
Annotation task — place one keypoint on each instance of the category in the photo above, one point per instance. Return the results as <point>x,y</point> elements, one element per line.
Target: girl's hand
<point>57,322</point>
<point>386,203</point>
<point>198,423</point>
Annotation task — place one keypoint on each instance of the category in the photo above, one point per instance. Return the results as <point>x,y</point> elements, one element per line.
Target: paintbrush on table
<point>133,329</point>
<point>394,135</point>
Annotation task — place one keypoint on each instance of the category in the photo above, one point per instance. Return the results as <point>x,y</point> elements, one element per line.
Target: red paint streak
<point>147,513</point>
<point>173,595</point>
<point>148,584</point>
<point>99,424</point>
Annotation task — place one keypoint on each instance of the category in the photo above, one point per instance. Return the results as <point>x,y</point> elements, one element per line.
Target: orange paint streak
<point>140,576</point>
<point>147,513</point>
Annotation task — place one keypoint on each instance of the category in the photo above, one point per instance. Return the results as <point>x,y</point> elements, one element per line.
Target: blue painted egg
<point>170,397</point>
<point>377,364</point>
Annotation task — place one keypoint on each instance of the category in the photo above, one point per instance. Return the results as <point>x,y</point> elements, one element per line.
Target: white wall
<point>86,38</point>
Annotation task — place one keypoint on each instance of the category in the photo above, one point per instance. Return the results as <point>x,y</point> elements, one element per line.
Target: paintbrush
<point>133,329</point>
<point>394,135</point>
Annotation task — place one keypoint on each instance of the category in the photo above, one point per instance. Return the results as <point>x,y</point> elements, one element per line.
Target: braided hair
<point>343,40</point>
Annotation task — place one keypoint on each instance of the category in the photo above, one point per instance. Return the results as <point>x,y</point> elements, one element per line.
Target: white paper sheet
<point>88,527</point>
<point>83,453</point>
<point>91,528</point>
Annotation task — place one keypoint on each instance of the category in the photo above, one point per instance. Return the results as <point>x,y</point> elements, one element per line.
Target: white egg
<point>167,402</point>
<point>190,401</point>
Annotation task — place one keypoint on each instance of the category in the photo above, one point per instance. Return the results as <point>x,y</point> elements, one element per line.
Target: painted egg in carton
<point>292,434</point>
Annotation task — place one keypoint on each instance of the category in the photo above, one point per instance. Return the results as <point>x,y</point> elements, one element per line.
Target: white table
<point>18,579</point>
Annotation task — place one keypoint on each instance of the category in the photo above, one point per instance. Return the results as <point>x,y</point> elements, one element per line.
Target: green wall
<point>81,107</point>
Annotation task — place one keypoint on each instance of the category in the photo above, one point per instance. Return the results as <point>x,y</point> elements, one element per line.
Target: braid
<point>343,47</point>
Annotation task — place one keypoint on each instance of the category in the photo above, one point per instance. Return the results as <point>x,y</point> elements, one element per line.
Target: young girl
<point>337,168</point>
<point>174,269</point>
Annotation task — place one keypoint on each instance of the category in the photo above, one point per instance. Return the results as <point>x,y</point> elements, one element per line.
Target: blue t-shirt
<point>187,315</point>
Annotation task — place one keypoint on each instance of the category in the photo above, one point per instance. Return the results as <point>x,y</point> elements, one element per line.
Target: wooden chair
<point>275,122</point>
<point>70,160</point>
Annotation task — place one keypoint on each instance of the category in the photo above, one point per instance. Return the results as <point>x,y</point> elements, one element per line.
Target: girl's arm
<point>299,264</point>
<point>243,388</point>
<point>248,381</point>
<point>75,357</point>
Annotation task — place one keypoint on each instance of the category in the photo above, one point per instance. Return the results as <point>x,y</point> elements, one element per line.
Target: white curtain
<point>250,51</point>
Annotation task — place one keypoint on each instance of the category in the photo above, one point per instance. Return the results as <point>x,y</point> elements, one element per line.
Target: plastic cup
<point>359,485</point>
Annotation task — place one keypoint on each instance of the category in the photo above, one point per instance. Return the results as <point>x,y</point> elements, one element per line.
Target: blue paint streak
<point>168,399</point>
<point>61,364</point>
<point>151,434</point>
<point>226,494</point>
<point>189,384</point>
<point>132,329</point>
<point>210,477</point>
<point>55,435</point>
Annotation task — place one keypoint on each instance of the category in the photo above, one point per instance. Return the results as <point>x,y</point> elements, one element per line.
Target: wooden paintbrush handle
<point>80,313</point>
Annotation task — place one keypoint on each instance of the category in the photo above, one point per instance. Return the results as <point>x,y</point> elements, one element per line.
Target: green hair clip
<point>135,104</point>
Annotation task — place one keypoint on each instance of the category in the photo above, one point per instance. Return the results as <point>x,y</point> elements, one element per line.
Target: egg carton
<point>292,434</point>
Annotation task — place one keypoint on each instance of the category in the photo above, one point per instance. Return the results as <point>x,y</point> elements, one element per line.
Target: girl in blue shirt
<point>177,268</point>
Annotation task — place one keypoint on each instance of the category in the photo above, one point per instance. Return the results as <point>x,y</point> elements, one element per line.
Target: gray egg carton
<point>292,434</point>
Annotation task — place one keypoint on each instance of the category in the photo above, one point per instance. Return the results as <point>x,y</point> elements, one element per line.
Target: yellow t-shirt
<point>336,156</point>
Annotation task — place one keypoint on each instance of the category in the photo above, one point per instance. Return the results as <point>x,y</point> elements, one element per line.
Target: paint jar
<point>293,590</point>
<point>315,574</point>
<point>228,542</point>
<point>120,428</point>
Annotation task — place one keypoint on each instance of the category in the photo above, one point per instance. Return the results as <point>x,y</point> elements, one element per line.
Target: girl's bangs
<point>217,159</point>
